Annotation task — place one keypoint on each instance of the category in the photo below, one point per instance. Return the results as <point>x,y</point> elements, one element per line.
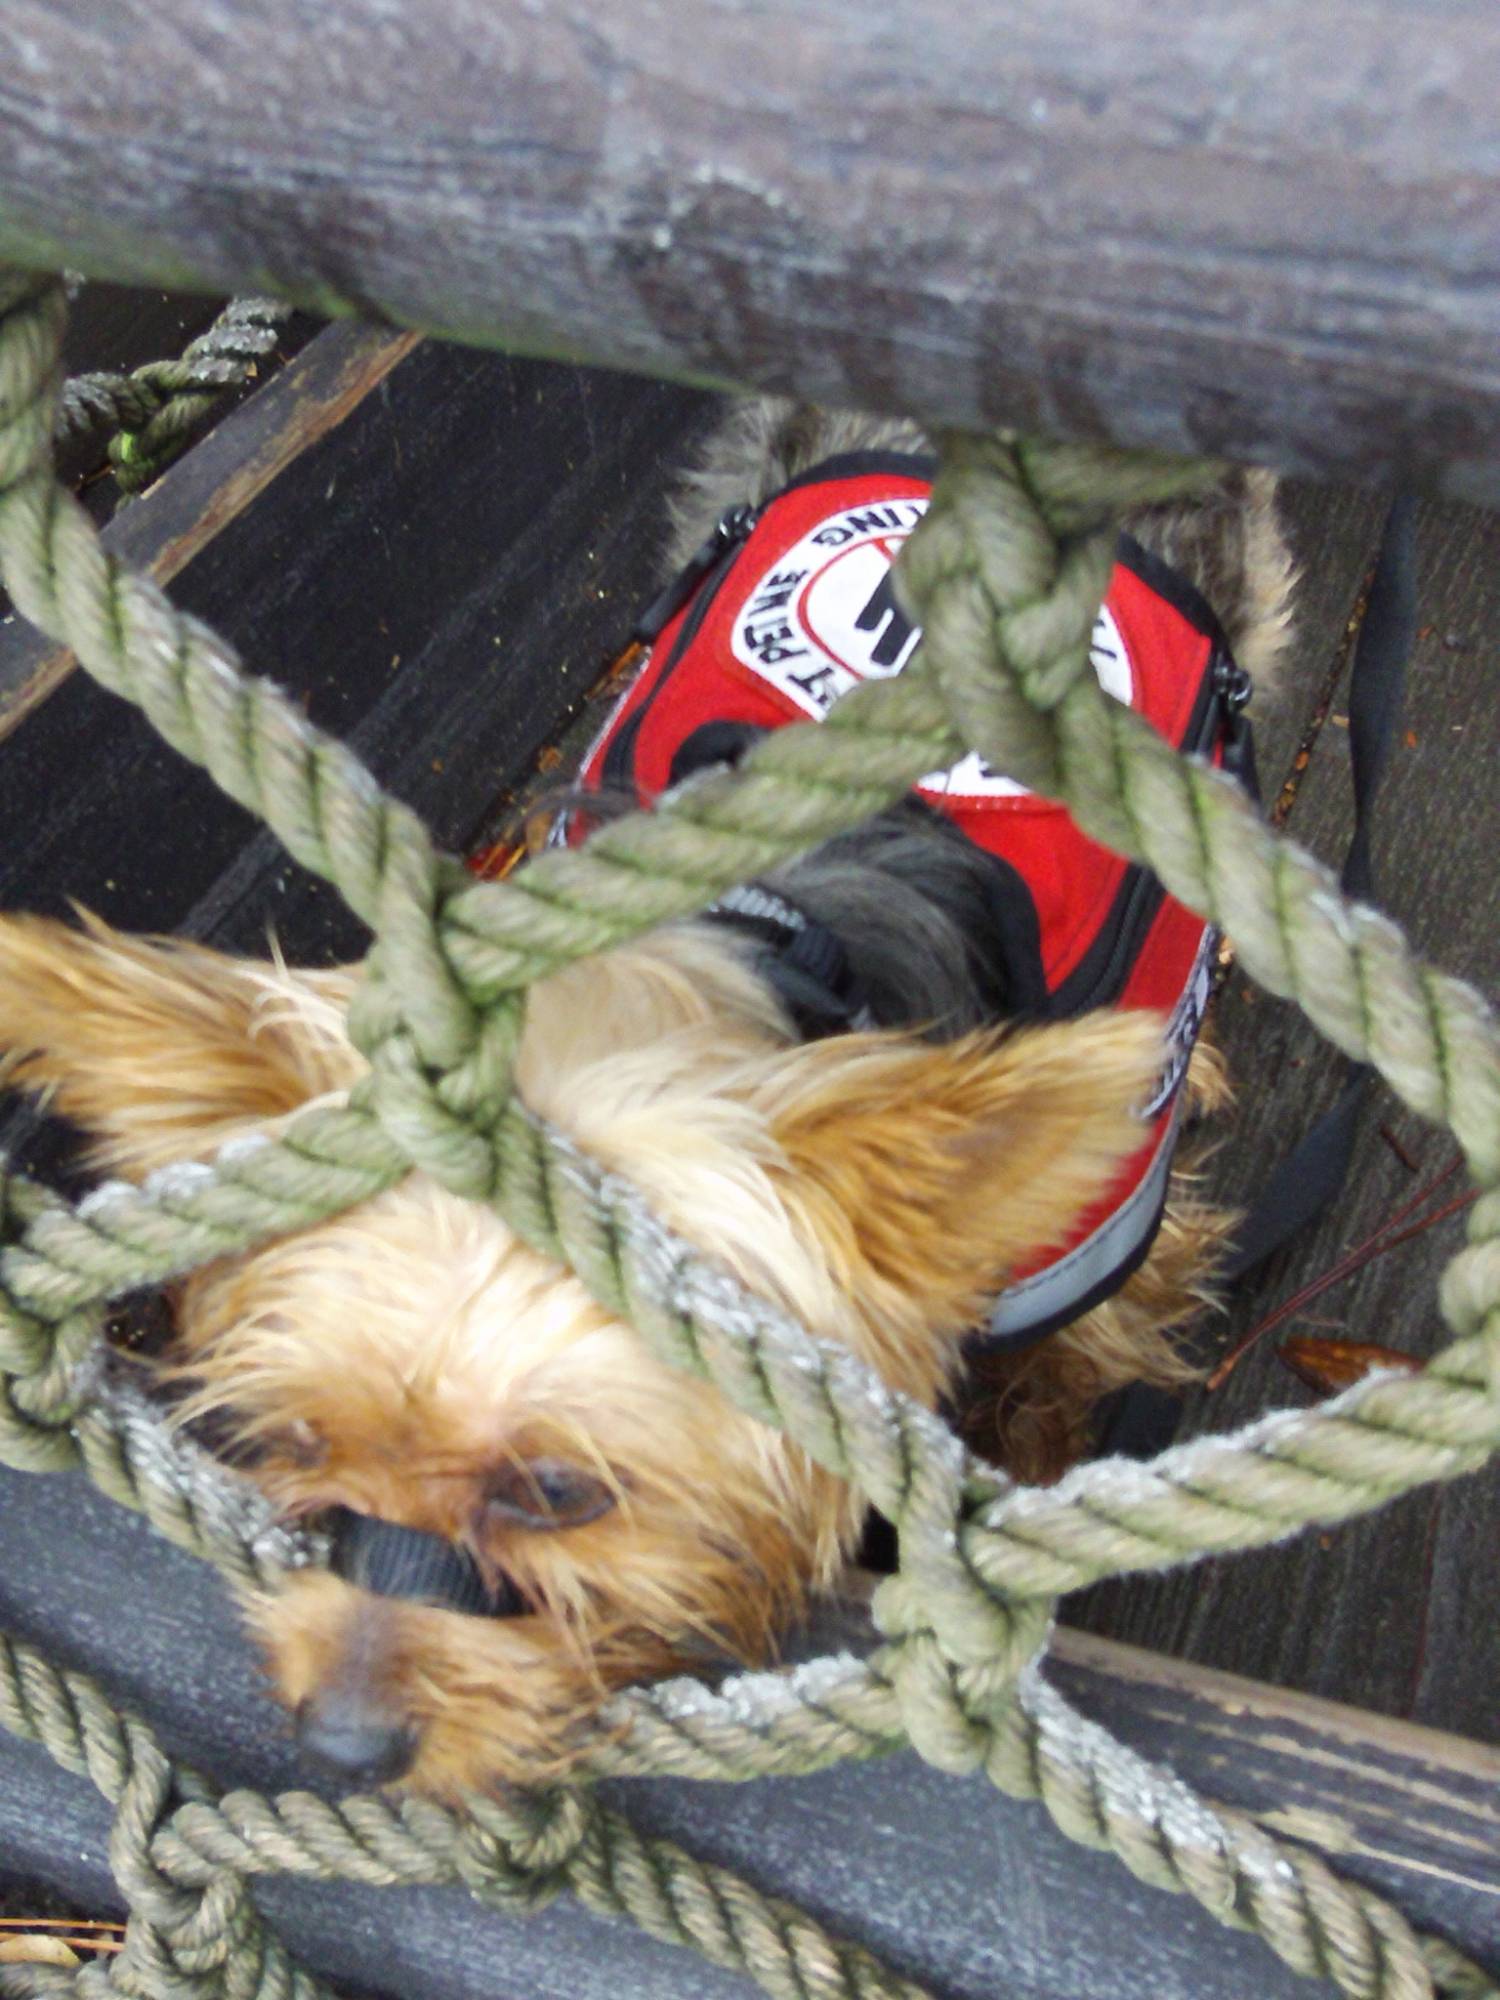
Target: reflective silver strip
<point>1047,1294</point>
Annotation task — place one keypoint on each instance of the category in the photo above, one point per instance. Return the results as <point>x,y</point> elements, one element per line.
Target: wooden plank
<point>961,1888</point>
<point>208,489</point>
<point>1388,1613</point>
<point>1263,230</point>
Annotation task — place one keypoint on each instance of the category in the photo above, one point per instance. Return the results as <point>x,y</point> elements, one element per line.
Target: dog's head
<point>413,1360</point>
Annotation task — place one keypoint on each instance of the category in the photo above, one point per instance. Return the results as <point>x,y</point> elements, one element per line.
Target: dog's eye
<point>296,1447</point>
<point>547,1493</point>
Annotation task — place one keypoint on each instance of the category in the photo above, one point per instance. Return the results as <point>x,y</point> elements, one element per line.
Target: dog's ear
<point>161,1049</point>
<point>929,1172</point>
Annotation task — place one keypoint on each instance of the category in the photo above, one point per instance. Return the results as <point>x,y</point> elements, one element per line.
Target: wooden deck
<point>439,551</point>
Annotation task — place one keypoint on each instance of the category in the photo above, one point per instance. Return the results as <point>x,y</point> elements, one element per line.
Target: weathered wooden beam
<point>1251,226</point>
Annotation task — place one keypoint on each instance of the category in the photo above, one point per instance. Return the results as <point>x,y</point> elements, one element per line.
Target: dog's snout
<point>355,1739</point>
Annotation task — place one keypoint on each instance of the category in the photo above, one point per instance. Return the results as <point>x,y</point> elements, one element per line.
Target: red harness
<point>792,607</point>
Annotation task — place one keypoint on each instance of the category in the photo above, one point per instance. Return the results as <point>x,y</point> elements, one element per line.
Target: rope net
<point>1005,576</point>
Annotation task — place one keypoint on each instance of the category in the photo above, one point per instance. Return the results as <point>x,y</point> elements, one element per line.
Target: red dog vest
<point>790,608</point>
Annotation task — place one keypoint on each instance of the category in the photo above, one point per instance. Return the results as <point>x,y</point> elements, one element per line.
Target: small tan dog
<point>861,1144</point>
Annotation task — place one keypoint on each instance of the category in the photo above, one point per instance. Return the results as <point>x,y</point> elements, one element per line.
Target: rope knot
<point>40,1381</point>
<point>951,1713</point>
<point>1005,576</point>
<point>441,1055</point>
<point>518,1847</point>
<point>177,1937</point>
<point>956,1645</point>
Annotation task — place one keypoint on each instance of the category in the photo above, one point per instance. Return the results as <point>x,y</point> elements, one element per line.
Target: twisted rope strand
<point>156,409</point>
<point>174,1854</point>
<point>1096,1791</point>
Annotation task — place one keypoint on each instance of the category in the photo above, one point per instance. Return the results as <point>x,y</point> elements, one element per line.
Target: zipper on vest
<point>704,573</point>
<point>727,534</point>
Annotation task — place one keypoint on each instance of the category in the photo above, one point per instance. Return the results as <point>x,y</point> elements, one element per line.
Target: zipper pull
<point>728,532</point>
<point>1231,683</point>
<point>1232,690</point>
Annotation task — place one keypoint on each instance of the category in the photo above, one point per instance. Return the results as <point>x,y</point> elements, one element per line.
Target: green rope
<point>207,1938</point>
<point>1005,577</point>
<point>157,409</point>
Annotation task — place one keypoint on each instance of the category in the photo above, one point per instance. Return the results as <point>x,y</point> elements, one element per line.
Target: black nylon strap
<point>806,961</point>
<point>413,1563</point>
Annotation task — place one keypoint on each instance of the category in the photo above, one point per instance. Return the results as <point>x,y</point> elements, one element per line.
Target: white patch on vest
<point>823,618</point>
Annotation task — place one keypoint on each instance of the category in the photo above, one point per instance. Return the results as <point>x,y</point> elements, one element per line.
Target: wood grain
<point>1260,229</point>
<point>440,578</point>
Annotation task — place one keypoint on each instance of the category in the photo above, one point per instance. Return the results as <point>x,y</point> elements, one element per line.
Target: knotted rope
<point>1005,576</point>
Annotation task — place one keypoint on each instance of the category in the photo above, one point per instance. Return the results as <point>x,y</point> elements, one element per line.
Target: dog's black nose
<point>354,1739</point>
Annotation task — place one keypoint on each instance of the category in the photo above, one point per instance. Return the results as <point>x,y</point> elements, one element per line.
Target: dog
<point>822,1083</point>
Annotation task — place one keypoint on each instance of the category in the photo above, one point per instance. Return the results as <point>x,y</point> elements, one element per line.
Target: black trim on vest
<point>710,745</point>
<point>861,465</point>
<point>723,541</point>
<point>617,767</point>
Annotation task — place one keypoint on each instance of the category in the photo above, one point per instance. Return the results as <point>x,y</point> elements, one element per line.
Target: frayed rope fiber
<point>1005,576</point>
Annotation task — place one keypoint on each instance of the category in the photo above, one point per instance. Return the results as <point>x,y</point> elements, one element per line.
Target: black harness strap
<point>805,961</point>
<point>418,1565</point>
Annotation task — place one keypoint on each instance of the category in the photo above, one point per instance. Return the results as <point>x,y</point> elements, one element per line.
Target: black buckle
<point>809,966</point>
<point>1232,690</point>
